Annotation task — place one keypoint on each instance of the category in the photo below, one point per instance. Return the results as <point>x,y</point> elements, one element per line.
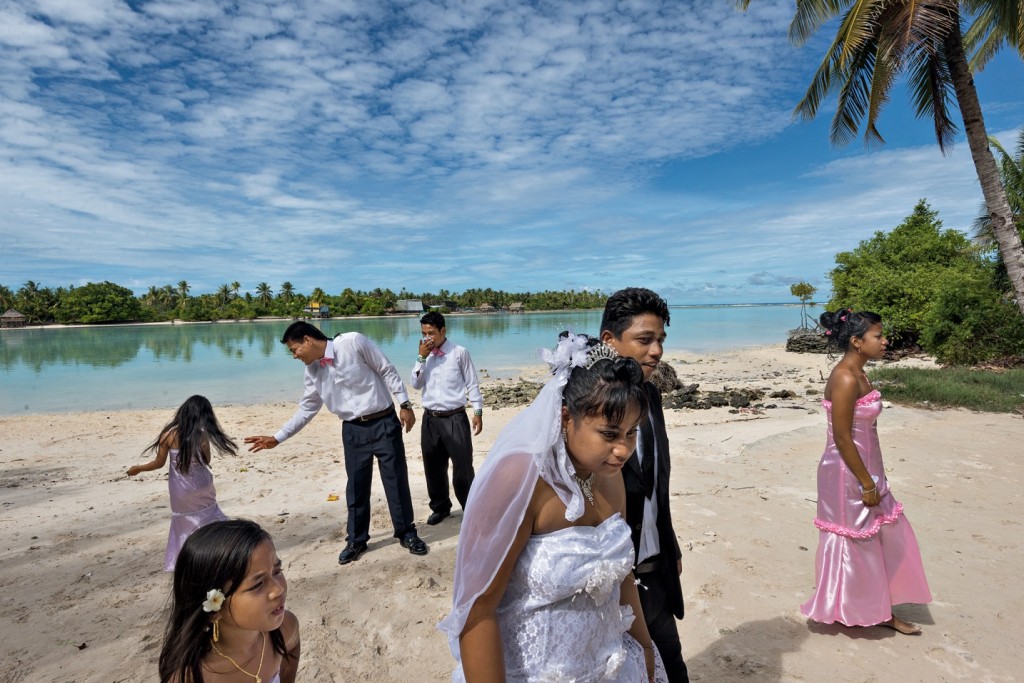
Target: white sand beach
<point>82,550</point>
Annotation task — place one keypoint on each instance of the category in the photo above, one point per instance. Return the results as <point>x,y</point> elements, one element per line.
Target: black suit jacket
<point>633,478</point>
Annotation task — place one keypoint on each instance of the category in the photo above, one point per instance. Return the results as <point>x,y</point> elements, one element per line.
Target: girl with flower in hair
<point>868,558</point>
<point>228,620</point>
<point>185,441</point>
<point>544,589</point>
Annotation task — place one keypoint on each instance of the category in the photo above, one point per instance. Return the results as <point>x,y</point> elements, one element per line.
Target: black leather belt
<point>444,413</point>
<point>647,567</point>
<point>373,416</point>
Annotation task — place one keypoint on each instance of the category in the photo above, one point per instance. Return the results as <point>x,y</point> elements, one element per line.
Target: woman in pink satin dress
<point>868,559</point>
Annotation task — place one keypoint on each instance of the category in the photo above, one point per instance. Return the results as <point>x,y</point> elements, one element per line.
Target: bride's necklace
<point>258,668</point>
<point>586,486</point>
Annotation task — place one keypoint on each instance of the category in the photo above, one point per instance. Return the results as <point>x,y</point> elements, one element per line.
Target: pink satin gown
<point>868,559</point>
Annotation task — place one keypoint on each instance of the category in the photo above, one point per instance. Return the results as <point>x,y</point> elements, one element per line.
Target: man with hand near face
<point>354,379</point>
<point>446,375</point>
<point>634,324</point>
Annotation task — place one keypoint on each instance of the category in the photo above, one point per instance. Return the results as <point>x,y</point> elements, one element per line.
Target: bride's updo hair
<point>843,325</point>
<point>610,388</point>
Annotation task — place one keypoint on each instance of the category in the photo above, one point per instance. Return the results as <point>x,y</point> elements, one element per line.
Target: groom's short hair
<point>626,304</point>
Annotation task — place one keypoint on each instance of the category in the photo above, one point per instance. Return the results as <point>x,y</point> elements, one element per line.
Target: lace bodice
<point>560,618</point>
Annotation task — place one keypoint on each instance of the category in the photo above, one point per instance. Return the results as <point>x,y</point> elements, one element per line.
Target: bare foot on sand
<point>904,627</point>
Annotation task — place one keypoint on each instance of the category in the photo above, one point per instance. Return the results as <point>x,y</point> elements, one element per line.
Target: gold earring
<point>216,630</point>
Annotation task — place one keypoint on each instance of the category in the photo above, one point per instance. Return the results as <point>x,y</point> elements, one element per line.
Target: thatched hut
<point>13,319</point>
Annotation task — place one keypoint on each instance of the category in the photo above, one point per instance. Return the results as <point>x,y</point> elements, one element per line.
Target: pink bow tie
<point>437,352</point>
<point>324,362</point>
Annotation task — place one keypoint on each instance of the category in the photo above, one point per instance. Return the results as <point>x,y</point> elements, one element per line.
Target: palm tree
<point>223,294</point>
<point>183,289</point>
<point>6,298</point>
<point>1011,171</point>
<point>287,291</point>
<point>264,294</point>
<point>879,40</point>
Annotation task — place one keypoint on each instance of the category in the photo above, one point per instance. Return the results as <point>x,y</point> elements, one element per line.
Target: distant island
<point>107,302</point>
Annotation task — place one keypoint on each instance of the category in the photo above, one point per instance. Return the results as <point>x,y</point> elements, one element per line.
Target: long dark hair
<point>609,388</point>
<point>194,423</point>
<point>843,325</point>
<point>215,556</point>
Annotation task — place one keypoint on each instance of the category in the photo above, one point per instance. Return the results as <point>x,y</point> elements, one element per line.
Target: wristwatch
<point>405,405</point>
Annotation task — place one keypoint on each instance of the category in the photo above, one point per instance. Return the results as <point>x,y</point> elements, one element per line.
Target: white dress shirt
<point>358,381</point>
<point>446,381</point>
<point>649,542</point>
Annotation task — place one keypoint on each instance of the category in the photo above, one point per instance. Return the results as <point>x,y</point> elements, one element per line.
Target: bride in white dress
<point>544,589</point>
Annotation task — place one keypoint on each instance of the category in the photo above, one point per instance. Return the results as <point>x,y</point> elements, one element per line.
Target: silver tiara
<point>599,352</point>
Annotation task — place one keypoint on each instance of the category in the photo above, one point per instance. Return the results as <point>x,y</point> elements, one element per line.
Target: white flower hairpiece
<point>214,600</point>
<point>572,352</point>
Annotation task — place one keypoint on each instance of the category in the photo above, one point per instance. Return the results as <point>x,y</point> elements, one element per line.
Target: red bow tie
<point>438,352</point>
<point>324,362</point>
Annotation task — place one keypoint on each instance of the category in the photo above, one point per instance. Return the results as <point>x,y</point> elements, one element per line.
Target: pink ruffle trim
<point>876,524</point>
<point>865,400</point>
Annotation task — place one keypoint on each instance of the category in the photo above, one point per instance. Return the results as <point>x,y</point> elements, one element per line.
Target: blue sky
<point>428,145</point>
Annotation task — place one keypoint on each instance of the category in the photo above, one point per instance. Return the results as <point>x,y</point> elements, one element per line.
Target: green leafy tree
<point>878,41</point>
<point>99,302</point>
<point>286,292</point>
<point>805,292</point>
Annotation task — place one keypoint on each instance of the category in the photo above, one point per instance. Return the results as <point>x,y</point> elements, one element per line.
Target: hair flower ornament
<point>214,601</point>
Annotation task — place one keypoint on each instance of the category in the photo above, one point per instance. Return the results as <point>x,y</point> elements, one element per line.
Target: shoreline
<point>81,561</point>
<point>179,321</point>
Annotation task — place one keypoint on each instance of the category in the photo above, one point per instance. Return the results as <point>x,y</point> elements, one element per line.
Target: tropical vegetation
<point>878,41</point>
<point>934,288</point>
<point>107,302</point>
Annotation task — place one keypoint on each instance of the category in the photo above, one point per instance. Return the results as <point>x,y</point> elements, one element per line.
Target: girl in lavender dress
<point>186,439</point>
<point>867,558</point>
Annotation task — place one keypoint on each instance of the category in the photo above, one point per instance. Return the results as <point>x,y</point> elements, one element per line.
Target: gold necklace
<point>263,650</point>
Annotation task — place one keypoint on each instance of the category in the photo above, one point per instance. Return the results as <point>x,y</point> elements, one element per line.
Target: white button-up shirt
<point>358,381</point>
<point>649,542</point>
<point>446,381</point>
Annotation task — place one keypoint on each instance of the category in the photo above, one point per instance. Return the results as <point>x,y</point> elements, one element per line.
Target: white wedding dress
<point>560,618</point>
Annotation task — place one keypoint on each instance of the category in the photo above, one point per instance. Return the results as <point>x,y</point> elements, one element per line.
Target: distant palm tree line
<point>107,302</point>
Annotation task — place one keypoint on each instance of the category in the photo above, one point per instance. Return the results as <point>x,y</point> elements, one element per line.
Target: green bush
<point>968,322</point>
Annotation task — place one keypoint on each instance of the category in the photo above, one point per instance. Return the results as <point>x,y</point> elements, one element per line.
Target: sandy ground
<point>84,597</point>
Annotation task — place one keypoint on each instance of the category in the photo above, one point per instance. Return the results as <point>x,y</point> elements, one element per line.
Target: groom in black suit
<point>634,324</point>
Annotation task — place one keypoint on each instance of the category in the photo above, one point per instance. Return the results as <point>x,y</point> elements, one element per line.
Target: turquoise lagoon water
<point>159,366</point>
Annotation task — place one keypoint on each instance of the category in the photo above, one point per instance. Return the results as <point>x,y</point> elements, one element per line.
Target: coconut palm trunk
<point>1003,229</point>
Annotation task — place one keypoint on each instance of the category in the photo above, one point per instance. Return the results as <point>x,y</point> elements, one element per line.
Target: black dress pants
<point>444,439</point>
<point>661,624</point>
<point>363,441</point>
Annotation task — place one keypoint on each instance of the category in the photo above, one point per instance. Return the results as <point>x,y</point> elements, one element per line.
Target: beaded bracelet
<point>478,412</point>
<point>421,359</point>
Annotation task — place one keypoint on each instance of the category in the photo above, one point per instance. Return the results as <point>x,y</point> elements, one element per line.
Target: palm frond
<point>931,88</point>
<point>810,16</point>
<point>996,23</point>
<point>854,96</point>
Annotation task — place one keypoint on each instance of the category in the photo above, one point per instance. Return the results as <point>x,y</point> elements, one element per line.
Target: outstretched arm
<point>155,464</point>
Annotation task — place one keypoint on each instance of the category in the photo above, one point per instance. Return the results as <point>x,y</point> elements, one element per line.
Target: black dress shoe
<point>351,553</point>
<point>436,517</point>
<point>414,543</point>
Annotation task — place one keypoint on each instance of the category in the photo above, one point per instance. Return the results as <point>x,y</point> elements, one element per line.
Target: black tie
<point>647,462</point>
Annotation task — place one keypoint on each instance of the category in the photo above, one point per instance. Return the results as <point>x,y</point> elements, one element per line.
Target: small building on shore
<point>487,308</point>
<point>409,306</point>
<point>315,309</point>
<point>13,319</point>
<point>516,307</point>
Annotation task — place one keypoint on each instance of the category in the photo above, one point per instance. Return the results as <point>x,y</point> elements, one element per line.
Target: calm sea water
<point>159,366</point>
